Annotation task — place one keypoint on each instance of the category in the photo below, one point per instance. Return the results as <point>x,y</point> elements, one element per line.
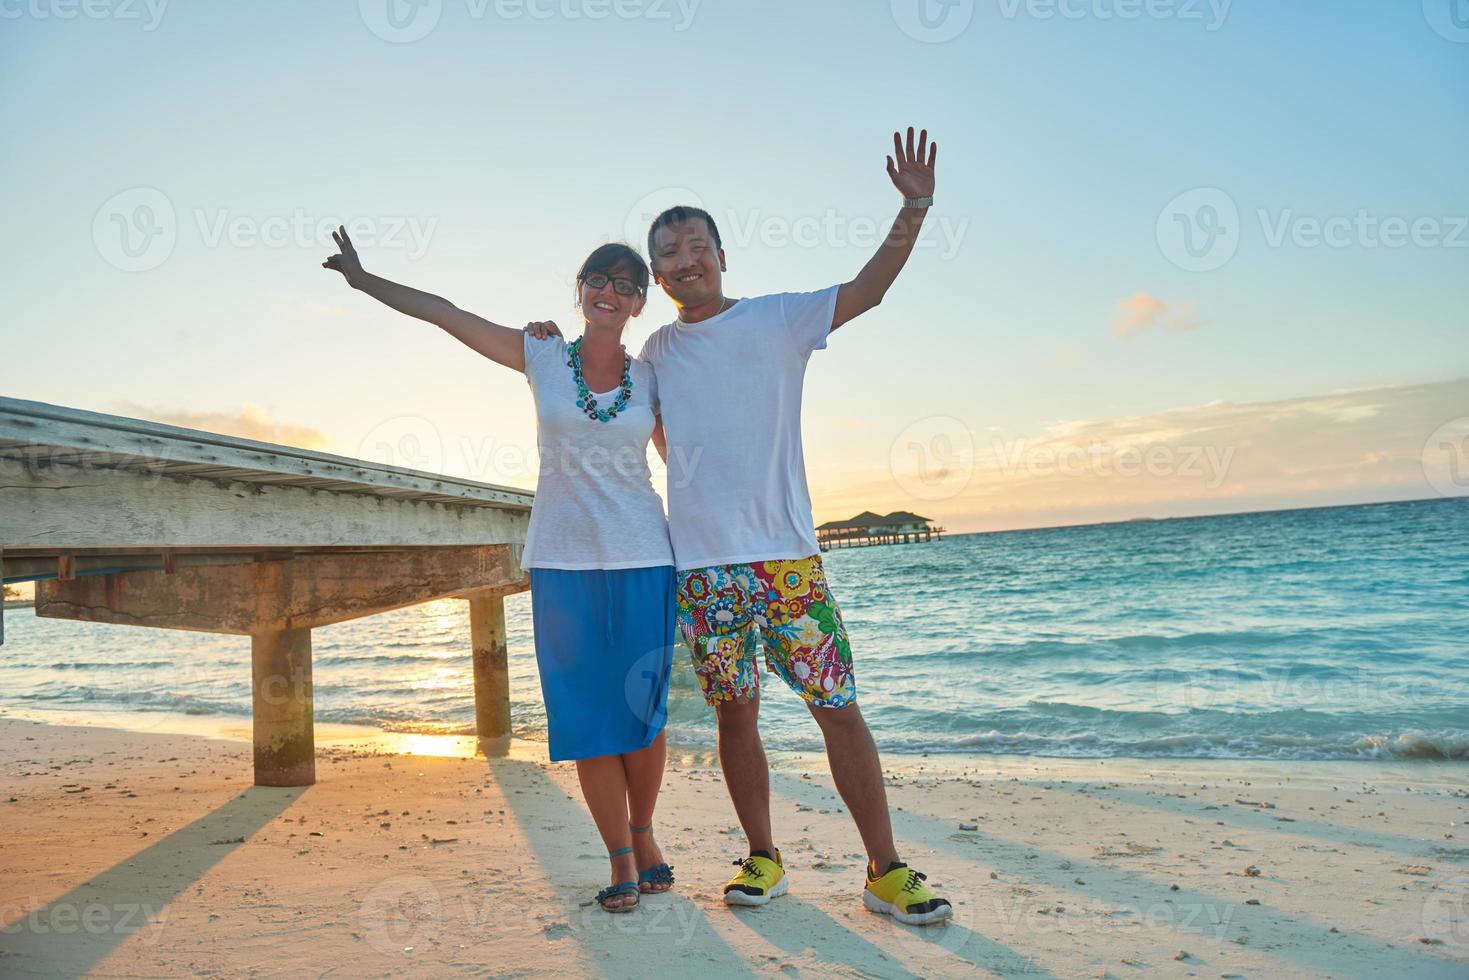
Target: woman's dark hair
<point>615,259</point>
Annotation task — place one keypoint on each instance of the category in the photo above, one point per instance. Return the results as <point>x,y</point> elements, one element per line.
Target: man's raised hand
<point>541,329</point>
<point>912,173</point>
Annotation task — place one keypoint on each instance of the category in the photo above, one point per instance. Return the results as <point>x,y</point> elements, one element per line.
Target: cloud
<point>1140,312</point>
<point>1220,457</point>
<point>290,301</point>
<point>250,422</point>
<point>334,312</point>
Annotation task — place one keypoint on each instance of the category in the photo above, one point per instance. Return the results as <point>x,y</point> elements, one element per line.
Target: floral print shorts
<point>720,609</point>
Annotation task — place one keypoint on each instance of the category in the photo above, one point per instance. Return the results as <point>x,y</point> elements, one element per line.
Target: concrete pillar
<point>285,746</point>
<point>491,667</point>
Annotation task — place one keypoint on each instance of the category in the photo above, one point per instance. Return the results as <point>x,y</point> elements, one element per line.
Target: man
<point>730,375</point>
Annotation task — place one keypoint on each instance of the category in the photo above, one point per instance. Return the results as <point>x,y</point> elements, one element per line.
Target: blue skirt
<point>604,643</point>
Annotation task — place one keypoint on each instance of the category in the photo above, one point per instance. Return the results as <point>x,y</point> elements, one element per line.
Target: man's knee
<point>740,714</point>
<point>846,718</point>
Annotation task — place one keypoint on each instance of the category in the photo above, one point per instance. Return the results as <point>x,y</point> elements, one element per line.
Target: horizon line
<point>1198,517</point>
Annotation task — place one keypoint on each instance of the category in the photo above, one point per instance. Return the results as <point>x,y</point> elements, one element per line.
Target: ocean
<point>1335,633</point>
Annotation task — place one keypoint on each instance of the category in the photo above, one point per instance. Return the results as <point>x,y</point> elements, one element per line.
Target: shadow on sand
<point>1310,945</point>
<point>680,935</point>
<point>71,934</point>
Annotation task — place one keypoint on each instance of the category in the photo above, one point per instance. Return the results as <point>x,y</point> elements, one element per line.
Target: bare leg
<point>604,787</point>
<point>746,773</point>
<point>644,771</point>
<point>857,771</point>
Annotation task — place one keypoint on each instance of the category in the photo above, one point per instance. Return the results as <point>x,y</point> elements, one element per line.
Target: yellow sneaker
<point>761,878</point>
<point>902,894</point>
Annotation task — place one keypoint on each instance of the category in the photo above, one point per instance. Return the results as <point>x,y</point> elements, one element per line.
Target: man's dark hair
<point>680,213</point>
<point>615,259</point>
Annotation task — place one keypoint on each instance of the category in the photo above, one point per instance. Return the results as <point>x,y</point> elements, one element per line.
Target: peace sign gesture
<point>912,174</point>
<point>346,261</point>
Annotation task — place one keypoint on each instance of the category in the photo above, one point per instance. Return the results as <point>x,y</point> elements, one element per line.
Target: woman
<point>598,552</point>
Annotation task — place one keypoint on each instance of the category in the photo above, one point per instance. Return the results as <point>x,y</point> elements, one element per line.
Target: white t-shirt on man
<point>730,388</point>
<point>595,505</point>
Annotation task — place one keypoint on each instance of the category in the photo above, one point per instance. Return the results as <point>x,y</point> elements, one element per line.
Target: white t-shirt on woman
<point>595,506</point>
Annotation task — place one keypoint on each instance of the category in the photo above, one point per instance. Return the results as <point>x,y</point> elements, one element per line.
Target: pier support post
<point>491,666</point>
<point>285,748</point>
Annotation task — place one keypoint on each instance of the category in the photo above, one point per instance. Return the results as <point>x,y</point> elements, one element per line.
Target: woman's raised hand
<point>345,261</point>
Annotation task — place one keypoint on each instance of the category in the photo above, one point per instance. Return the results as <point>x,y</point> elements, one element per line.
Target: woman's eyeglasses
<point>621,286</point>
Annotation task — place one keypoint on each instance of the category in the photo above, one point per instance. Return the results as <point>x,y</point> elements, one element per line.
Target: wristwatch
<point>918,202</point>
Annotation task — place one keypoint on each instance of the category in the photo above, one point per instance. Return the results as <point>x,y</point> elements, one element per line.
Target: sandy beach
<point>133,854</point>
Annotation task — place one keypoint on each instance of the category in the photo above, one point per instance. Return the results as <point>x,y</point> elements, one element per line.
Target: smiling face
<point>601,304</point>
<point>604,306</point>
<point>688,262</point>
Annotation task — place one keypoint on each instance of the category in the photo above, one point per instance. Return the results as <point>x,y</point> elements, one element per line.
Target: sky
<point>1186,256</point>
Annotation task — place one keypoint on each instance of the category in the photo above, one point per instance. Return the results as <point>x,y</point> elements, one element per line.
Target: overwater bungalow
<point>867,528</point>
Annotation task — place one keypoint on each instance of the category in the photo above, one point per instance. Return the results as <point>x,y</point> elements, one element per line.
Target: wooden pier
<point>124,521</point>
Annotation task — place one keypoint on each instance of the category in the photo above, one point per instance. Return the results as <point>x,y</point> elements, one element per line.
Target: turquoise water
<point>1338,633</point>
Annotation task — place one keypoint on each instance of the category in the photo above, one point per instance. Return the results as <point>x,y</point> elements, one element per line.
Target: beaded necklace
<point>584,398</point>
